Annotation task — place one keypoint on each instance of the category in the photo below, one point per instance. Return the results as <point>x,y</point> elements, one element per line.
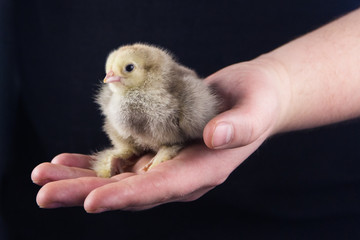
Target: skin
<point>309,82</point>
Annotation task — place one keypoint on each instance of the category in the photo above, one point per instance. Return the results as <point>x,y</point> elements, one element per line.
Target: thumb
<point>233,128</point>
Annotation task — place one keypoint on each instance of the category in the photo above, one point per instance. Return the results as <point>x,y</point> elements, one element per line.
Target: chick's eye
<point>129,67</point>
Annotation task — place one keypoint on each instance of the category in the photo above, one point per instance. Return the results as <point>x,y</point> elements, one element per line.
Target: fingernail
<point>223,134</point>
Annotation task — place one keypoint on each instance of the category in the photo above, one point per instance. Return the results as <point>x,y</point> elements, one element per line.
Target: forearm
<point>320,73</point>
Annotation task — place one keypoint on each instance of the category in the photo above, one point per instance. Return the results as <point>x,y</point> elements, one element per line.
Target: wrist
<point>279,81</point>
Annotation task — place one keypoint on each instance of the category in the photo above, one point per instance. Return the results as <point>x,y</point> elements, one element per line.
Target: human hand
<point>251,93</point>
<point>256,96</point>
<point>67,181</point>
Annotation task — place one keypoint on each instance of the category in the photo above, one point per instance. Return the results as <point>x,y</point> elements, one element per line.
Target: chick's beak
<point>111,77</point>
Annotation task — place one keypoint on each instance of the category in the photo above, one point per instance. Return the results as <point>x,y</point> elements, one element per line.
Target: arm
<point>311,81</point>
<point>315,79</point>
<point>323,74</point>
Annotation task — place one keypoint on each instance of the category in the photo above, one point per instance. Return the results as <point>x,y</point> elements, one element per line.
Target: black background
<point>302,185</point>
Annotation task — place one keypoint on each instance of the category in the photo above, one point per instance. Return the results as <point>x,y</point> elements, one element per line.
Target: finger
<point>228,130</point>
<point>48,172</point>
<point>122,176</point>
<point>251,102</point>
<point>242,124</point>
<point>70,192</point>
<point>135,191</point>
<point>141,208</point>
<point>188,198</point>
<point>73,160</point>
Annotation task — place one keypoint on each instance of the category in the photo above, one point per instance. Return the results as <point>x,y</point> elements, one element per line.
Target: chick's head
<point>133,66</point>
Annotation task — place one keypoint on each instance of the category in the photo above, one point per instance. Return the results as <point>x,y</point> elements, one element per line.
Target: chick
<point>150,103</point>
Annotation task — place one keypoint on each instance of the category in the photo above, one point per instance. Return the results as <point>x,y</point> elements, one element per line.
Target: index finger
<point>73,160</point>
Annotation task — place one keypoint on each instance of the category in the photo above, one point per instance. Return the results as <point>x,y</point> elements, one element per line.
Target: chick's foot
<point>111,162</point>
<point>165,153</point>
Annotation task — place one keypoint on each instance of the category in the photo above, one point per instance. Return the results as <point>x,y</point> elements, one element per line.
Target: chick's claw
<point>165,153</point>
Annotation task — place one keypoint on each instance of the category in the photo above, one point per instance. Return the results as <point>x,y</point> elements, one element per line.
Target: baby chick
<point>150,102</point>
